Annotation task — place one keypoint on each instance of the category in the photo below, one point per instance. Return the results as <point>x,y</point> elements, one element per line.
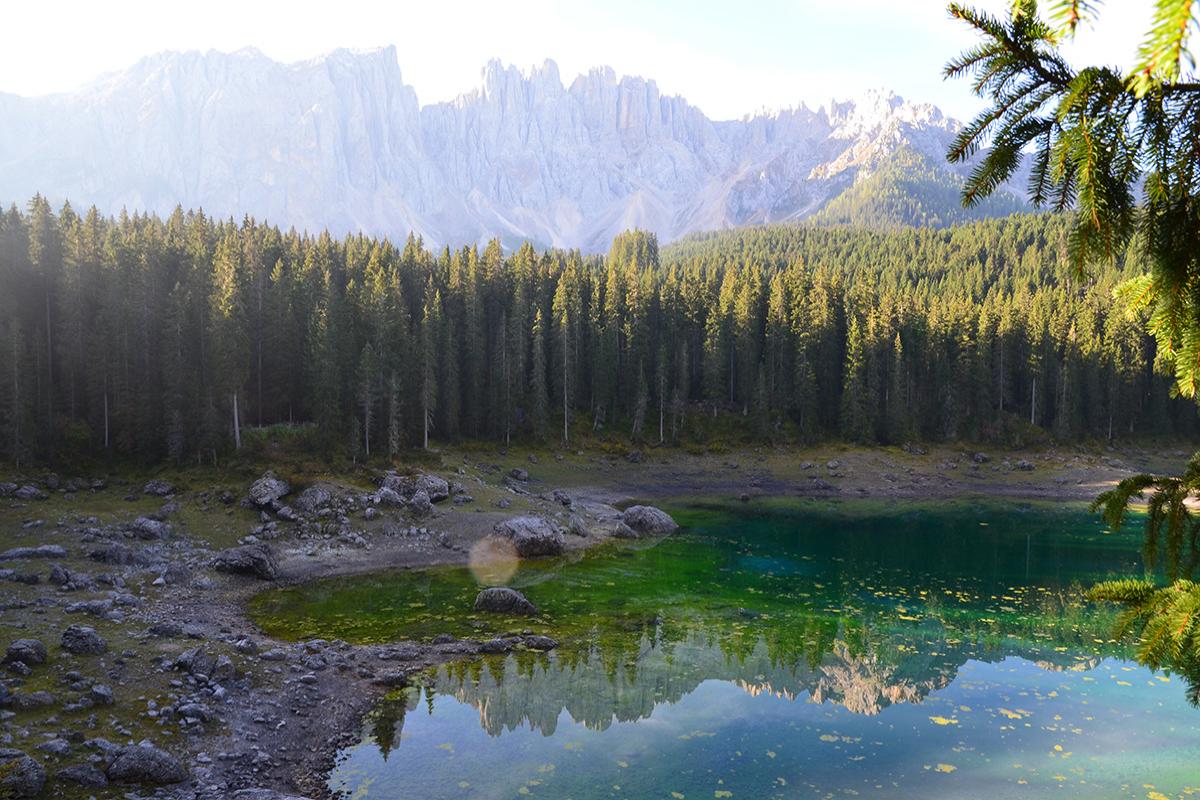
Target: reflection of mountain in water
<point>597,689</point>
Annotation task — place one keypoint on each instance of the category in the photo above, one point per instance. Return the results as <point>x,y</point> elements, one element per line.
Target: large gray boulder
<point>158,488</point>
<point>531,536</point>
<point>436,487</point>
<point>144,763</point>
<point>420,503</point>
<point>147,528</point>
<point>29,652</point>
<point>20,774</point>
<point>120,555</point>
<point>251,559</point>
<point>315,497</point>
<point>267,490</point>
<point>503,600</point>
<point>648,520</point>
<point>41,551</point>
<point>82,775</point>
<point>82,640</point>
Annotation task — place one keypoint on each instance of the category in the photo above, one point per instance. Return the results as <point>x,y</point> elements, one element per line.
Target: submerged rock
<point>264,794</point>
<point>648,520</point>
<point>251,559</point>
<point>503,600</point>
<point>532,536</point>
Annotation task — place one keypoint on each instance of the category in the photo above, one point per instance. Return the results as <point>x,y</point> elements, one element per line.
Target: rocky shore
<point>130,661</point>
<point>130,664</point>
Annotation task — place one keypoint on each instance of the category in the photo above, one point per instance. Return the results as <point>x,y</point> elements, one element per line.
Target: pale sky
<point>729,58</point>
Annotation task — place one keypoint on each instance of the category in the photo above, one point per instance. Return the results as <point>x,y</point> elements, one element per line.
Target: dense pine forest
<point>167,339</point>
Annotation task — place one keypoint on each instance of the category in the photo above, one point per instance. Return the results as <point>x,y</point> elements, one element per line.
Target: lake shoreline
<point>295,705</point>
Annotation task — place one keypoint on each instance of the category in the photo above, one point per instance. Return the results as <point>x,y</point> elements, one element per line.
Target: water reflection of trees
<point>863,663</point>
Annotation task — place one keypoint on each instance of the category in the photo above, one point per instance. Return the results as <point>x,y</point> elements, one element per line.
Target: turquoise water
<point>817,651</point>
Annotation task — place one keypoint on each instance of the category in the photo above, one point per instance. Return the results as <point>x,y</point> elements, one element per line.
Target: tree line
<point>163,339</point>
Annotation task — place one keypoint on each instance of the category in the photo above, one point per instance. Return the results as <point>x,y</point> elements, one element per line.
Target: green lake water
<point>813,650</point>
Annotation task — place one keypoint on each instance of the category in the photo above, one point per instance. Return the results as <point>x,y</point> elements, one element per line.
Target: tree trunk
<point>1032,400</point>
<point>237,428</point>
<point>565,414</point>
<point>105,412</point>
<point>662,410</point>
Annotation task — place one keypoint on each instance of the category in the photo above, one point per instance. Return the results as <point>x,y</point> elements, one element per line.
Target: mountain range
<point>341,142</point>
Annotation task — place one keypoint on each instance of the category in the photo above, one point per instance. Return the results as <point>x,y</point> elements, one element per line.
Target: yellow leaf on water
<point>622,764</point>
<point>678,795</point>
<point>770,754</point>
<point>943,721</point>
<point>1156,796</point>
<point>825,737</point>
<point>722,793</point>
<point>947,768</point>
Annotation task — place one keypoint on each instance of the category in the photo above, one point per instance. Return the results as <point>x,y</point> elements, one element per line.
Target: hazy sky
<point>730,58</point>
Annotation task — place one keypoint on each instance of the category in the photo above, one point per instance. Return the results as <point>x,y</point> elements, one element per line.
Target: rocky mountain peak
<point>341,142</point>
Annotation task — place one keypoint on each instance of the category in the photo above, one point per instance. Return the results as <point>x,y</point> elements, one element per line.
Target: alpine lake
<point>801,649</point>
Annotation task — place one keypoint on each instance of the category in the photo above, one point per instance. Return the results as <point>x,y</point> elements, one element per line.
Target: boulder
<point>20,775</point>
<point>267,490</point>
<point>648,520</point>
<point>82,775</point>
<point>420,504</point>
<point>619,530</point>
<point>503,600</point>
<point>12,576</point>
<point>29,492</point>
<point>158,488</point>
<point>7,489</point>
<point>41,551</point>
<point>438,489</point>
<point>578,525</point>
<point>69,580</point>
<point>30,652</point>
<point>119,555</point>
<point>82,640</point>
<point>144,763</point>
<point>531,536</point>
<point>147,528</point>
<point>252,559</point>
<point>388,497</point>
<point>1024,466</point>
<point>315,497</point>
<point>196,661</point>
<point>981,458</point>
<point>518,474</point>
